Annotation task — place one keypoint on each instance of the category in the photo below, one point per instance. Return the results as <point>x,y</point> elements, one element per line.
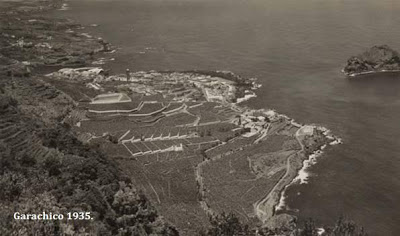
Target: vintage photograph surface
<point>200,117</point>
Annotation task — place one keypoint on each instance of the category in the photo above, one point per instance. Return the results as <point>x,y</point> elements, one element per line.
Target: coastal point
<point>183,137</point>
<point>145,152</point>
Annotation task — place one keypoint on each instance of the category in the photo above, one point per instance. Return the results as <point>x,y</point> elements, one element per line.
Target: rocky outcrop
<point>29,41</point>
<point>376,59</point>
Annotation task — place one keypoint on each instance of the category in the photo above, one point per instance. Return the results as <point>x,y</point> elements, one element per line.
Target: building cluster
<point>255,124</point>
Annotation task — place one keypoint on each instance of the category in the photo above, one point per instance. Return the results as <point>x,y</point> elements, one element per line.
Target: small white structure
<point>94,86</point>
<point>307,130</point>
<point>271,114</point>
<point>177,148</point>
<point>211,96</point>
<point>109,98</point>
<point>84,73</point>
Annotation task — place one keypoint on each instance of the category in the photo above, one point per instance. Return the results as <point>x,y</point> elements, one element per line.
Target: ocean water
<point>296,48</point>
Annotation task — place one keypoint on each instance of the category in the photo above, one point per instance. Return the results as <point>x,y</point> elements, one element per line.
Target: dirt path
<point>271,198</point>
<point>264,209</point>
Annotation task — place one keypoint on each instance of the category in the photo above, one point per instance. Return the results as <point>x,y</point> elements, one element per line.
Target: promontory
<point>376,59</point>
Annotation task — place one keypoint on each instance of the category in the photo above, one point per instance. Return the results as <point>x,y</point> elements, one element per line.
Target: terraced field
<point>239,175</point>
<point>178,136</point>
<point>161,155</point>
<point>16,135</point>
<point>192,157</point>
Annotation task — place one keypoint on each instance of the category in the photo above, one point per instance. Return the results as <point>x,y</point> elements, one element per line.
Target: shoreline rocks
<point>376,59</point>
<point>29,40</point>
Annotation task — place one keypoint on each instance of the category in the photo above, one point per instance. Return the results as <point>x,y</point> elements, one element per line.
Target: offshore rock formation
<point>376,59</point>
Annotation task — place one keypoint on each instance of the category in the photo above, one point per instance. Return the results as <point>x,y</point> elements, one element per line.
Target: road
<point>262,215</point>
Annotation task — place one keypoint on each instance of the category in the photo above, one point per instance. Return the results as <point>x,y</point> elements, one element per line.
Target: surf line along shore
<point>264,209</point>
<point>265,206</point>
<point>274,201</point>
<point>309,138</point>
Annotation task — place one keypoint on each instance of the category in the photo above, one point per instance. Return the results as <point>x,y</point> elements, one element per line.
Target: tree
<point>227,225</point>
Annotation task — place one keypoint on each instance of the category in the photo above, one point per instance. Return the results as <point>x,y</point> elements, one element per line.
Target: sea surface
<point>296,48</point>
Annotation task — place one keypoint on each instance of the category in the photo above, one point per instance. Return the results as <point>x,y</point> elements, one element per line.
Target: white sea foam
<point>303,174</point>
<point>100,61</point>
<point>282,201</point>
<point>246,97</point>
<point>301,178</point>
<point>336,142</point>
<point>64,7</point>
<point>87,35</point>
<point>110,52</point>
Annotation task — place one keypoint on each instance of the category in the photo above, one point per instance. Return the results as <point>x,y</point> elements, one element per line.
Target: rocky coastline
<point>378,59</point>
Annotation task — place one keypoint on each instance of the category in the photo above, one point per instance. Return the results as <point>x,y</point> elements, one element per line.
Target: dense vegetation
<point>43,167</point>
<point>229,225</point>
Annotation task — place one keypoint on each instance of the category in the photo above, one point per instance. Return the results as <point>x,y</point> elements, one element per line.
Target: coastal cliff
<point>376,59</point>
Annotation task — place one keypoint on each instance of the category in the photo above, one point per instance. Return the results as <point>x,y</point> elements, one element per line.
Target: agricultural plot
<point>152,146</point>
<point>141,146</point>
<point>76,90</point>
<point>171,186</point>
<point>149,158</point>
<point>174,181</point>
<point>199,140</point>
<point>277,126</point>
<point>98,127</point>
<point>208,117</point>
<point>231,146</point>
<point>133,149</point>
<point>232,185</point>
<point>268,164</point>
<point>160,144</point>
<point>288,130</point>
<point>168,143</point>
<point>174,132</point>
<point>158,133</point>
<point>180,119</point>
<point>273,143</point>
<point>221,131</point>
<point>154,97</point>
<point>115,151</point>
<point>225,113</point>
<point>183,131</point>
<point>114,107</point>
<point>150,108</point>
<point>150,119</point>
<point>205,106</point>
<point>173,107</point>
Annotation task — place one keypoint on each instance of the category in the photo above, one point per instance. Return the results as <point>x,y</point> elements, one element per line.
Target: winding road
<point>271,198</point>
